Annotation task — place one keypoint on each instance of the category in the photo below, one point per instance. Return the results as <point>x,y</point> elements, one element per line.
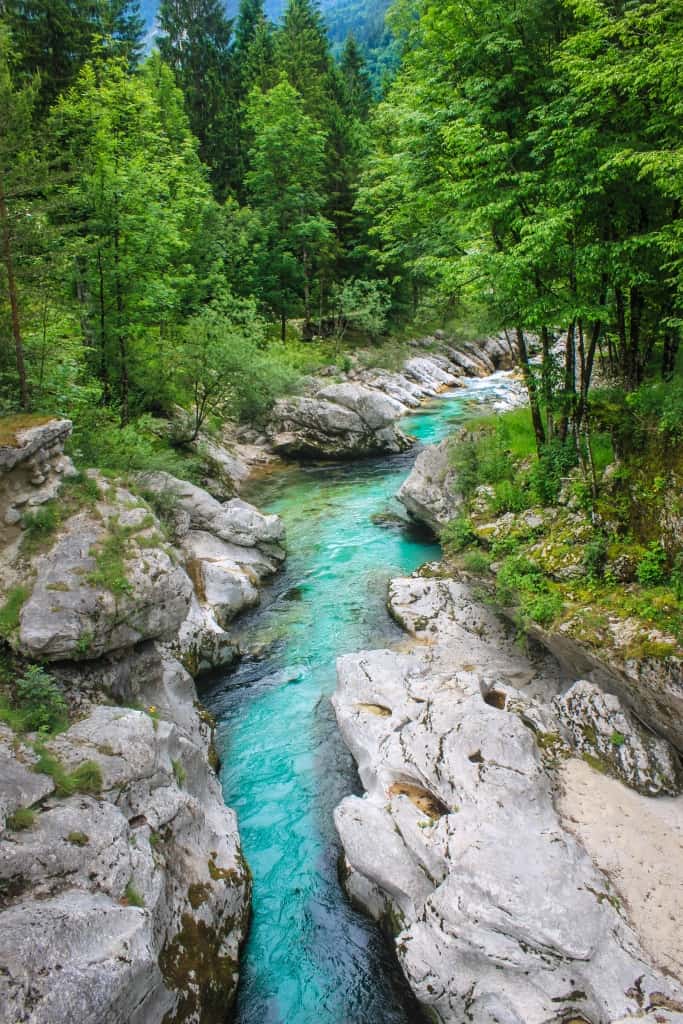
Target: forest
<point>177,226</point>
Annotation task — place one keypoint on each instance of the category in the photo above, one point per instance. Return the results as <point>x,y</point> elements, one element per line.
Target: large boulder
<point>456,742</point>
<point>126,903</point>
<point>340,421</point>
<point>235,522</point>
<point>430,492</point>
<point>107,583</point>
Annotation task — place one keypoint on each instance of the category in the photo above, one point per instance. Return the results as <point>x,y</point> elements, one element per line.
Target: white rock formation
<point>499,915</point>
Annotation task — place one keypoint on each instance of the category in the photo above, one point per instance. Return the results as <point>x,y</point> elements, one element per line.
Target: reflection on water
<point>310,957</point>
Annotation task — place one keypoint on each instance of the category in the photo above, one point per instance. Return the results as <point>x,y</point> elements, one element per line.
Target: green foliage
<point>10,611</point>
<point>179,772</point>
<point>476,561</point>
<point>457,535</point>
<point>40,702</point>
<point>652,567</point>
<point>86,778</point>
<point>556,459</point>
<point>132,897</point>
<point>39,524</point>
<point>110,558</point>
<point>21,819</point>
<point>520,583</point>
<point>595,558</point>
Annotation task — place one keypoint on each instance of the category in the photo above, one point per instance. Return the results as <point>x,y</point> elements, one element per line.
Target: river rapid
<point>310,956</point>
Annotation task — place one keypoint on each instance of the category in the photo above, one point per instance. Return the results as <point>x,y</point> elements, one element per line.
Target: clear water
<point>310,956</point>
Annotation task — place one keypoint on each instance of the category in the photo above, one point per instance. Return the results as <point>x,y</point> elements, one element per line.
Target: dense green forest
<point>166,219</point>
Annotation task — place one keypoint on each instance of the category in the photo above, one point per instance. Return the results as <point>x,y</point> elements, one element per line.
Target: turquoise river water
<point>311,958</point>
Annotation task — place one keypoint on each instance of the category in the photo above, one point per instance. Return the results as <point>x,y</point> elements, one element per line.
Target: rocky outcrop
<point>106,584</point>
<point>124,896</point>
<point>340,421</point>
<point>32,467</point>
<point>499,914</point>
<point>126,901</point>
<point>429,494</point>
<point>601,729</point>
<point>359,416</point>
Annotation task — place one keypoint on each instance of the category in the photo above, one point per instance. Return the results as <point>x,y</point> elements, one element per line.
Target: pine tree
<point>249,17</point>
<point>357,84</point>
<point>195,43</point>
<point>303,53</point>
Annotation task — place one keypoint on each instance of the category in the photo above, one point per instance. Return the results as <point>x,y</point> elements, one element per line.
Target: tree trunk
<point>13,301</point>
<point>532,390</point>
<point>104,370</point>
<point>671,343</point>
<point>569,381</point>
<point>546,372</point>
<point>123,347</point>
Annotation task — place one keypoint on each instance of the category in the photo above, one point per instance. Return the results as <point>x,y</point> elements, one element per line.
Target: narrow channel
<point>310,956</point>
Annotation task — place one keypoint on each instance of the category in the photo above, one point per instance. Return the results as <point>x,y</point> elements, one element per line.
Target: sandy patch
<point>638,842</point>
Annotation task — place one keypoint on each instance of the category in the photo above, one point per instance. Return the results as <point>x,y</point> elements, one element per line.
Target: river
<point>311,958</point>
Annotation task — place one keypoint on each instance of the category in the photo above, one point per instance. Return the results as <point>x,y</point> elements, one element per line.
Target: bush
<point>456,535</point>
<point>40,524</point>
<point>40,703</point>
<point>476,561</point>
<point>595,558</point>
<point>521,582</point>
<point>509,497</point>
<point>651,571</point>
<point>556,460</point>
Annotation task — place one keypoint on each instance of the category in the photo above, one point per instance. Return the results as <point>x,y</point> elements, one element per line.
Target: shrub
<point>595,558</point>
<point>556,460</point>
<point>456,535</point>
<point>509,496</point>
<point>651,571</point>
<point>40,524</point>
<point>520,582</point>
<point>40,703</point>
<point>476,561</point>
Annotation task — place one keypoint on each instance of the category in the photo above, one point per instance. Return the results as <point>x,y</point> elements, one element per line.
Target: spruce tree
<point>195,43</point>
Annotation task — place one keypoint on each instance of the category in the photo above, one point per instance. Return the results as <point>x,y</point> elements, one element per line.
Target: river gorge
<point>310,956</point>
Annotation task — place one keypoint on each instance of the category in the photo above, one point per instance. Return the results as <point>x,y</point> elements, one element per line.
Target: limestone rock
<point>235,522</point>
<point>430,492</point>
<point>498,913</point>
<point>78,609</point>
<point>32,468</point>
<point>600,727</point>
<point>340,421</point>
<point>128,904</point>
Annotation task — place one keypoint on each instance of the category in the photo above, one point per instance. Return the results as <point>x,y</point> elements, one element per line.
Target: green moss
<point>23,818</point>
<point>198,894</point>
<point>194,967</point>
<point>595,763</point>
<point>78,838</point>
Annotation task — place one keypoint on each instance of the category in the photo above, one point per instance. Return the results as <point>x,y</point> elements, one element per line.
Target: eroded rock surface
<point>430,492</point>
<point>127,903</point>
<point>499,913</point>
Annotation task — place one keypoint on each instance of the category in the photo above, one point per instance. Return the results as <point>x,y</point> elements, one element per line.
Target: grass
<point>110,554</point>
<point>179,772</point>
<point>23,818</point>
<point>10,426</point>
<point>9,613</point>
<point>36,703</point>
<point>132,897</point>
<point>87,778</point>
